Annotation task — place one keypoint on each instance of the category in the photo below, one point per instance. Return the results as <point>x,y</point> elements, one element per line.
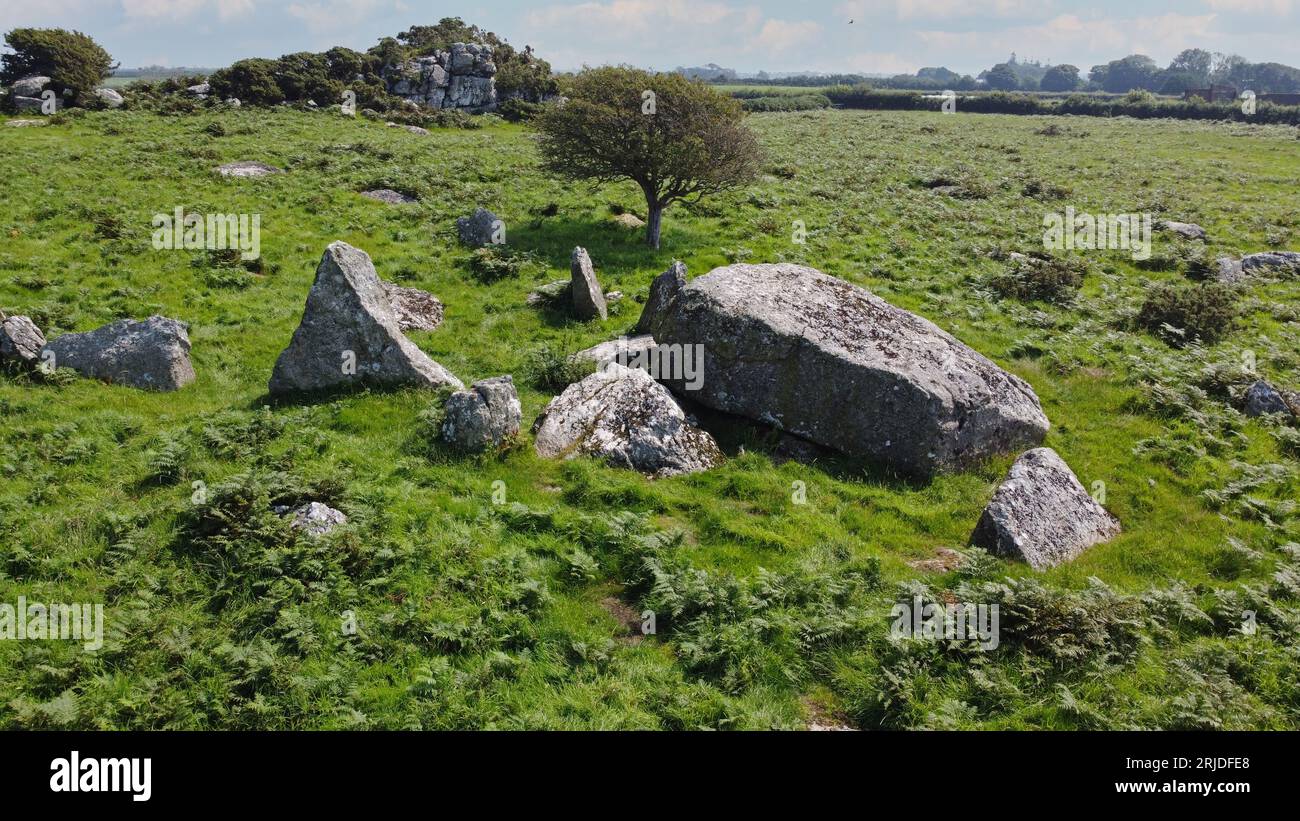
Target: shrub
<point>1180,314</point>
<point>1045,278</point>
<point>517,110</point>
<point>551,369</point>
<point>70,59</point>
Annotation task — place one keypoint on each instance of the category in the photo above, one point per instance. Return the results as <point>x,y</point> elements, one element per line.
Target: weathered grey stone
<point>663,292</point>
<point>622,350</point>
<point>200,90</point>
<point>30,86</point>
<point>247,168</point>
<point>588,299</point>
<point>414,129</point>
<point>1263,399</point>
<point>110,97</point>
<point>24,123</point>
<point>628,220</point>
<point>1271,261</point>
<point>233,102</point>
<point>415,310</point>
<point>389,196</point>
<point>349,334</point>
<point>32,104</point>
<point>1229,270</point>
<point>1042,515</point>
<point>1186,230</point>
<point>624,417</point>
<point>21,342</point>
<point>478,229</point>
<point>828,361</point>
<point>314,519</point>
<point>485,416</point>
<point>549,293</point>
<point>153,354</point>
<point>462,78</point>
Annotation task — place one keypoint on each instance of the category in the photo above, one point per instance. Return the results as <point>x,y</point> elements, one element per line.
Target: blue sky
<point>886,36</point>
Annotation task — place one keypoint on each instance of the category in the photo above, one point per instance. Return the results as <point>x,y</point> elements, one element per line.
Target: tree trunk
<point>654,219</point>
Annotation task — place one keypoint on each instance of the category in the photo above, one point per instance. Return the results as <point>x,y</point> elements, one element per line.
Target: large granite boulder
<point>1186,230</point>
<point>663,291</point>
<point>21,342</point>
<point>153,354</point>
<point>832,363</point>
<point>478,229</point>
<point>1041,514</point>
<point>485,416</point>
<point>349,334</point>
<point>415,310</point>
<point>30,86</point>
<point>588,299</point>
<point>624,417</point>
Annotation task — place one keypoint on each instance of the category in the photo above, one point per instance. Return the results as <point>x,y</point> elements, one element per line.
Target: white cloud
<point>783,35</point>
<point>159,11</point>
<point>943,9</point>
<point>332,15</point>
<point>1281,8</point>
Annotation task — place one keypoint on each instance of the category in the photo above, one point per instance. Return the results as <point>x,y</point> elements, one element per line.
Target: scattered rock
<point>24,123</point>
<point>415,310</point>
<point>485,416</point>
<point>945,559</point>
<point>1041,514</point>
<point>314,518</point>
<point>110,97</point>
<point>479,229</point>
<point>389,196</point>
<point>548,293</point>
<point>1229,271</point>
<point>1271,261</point>
<point>588,299</point>
<point>153,354</point>
<point>623,416</point>
<point>350,335</point>
<point>1186,230</point>
<point>201,90</point>
<point>613,296</point>
<point>830,362</point>
<point>1263,399</point>
<point>34,104</point>
<point>414,129</point>
<point>663,293</point>
<point>629,220</point>
<point>247,169</point>
<point>622,350</point>
<point>234,102</point>
<point>21,342</point>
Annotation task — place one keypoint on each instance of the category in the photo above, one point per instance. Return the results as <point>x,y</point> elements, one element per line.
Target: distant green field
<point>770,613</point>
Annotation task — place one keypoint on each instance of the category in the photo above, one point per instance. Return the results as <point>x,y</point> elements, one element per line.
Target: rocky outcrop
<point>389,196</point>
<point>588,299</point>
<point>478,229</point>
<point>314,519</point>
<point>1042,515</point>
<point>153,354</point>
<point>627,419</point>
<point>1228,270</point>
<point>21,342</point>
<point>1288,261</point>
<point>415,310</point>
<point>832,363</point>
<point>461,78</point>
<point>350,336</point>
<point>483,417</point>
<point>29,86</point>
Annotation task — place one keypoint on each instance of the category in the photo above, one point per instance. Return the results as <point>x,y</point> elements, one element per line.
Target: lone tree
<point>676,138</point>
<point>70,59</point>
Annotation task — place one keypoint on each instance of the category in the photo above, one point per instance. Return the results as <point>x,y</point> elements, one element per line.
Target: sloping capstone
<point>153,354</point>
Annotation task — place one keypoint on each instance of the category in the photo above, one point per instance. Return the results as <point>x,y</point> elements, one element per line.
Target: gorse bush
<point>1045,278</point>
<point>71,60</point>
<point>1180,313</point>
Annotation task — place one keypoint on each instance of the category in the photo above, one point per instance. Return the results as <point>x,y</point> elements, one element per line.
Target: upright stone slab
<point>663,291</point>
<point>588,299</point>
<point>350,336</point>
<point>1042,515</point>
<point>21,342</point>
<point>485,416</point>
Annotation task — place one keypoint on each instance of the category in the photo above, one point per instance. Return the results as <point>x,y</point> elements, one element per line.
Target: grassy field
<point>770,613</point>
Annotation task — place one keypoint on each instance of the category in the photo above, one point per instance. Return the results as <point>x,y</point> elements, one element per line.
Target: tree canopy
<point>71,60</point>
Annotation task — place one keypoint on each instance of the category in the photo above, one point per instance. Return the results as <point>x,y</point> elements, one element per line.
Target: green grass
<point>769,612</point>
